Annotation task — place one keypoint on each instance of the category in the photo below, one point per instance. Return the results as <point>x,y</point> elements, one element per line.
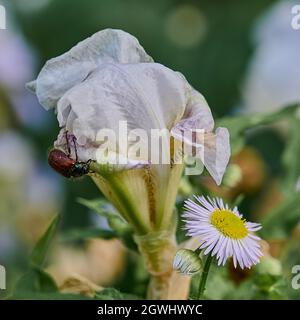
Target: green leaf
<point>280,221</point>
<point>114,294</point>
<point>39,253</point>
<point>120,228</point>
<point>270,287</point>
<point>35,280</point>
<point>100,206</point>
<point>83,234</point>
<point>291,156</point>
<point>238,125</point>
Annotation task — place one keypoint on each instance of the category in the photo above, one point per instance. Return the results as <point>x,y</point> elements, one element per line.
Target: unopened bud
<point>187,262</point>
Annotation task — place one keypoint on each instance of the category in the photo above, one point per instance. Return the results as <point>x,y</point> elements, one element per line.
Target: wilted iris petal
<point>62,73</point>
<point>214,148</point>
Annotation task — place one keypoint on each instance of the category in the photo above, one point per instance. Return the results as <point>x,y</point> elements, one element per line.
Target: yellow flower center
<point>229,224</point>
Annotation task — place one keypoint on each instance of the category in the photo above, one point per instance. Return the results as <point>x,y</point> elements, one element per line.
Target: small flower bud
<point>187,262</point>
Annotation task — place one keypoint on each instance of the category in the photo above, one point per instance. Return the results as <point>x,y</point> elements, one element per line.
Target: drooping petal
<point>63,72</point>
<point>196,131</point>
<point>217,153</point>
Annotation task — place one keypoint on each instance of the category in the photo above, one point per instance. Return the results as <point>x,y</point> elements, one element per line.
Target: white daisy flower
<point>223,231</point>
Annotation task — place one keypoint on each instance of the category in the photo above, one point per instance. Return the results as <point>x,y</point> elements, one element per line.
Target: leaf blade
<point>40,250</point>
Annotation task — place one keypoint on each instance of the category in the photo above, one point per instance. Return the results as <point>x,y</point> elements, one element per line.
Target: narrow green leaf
<point>280,221</point>
<point>120,228</point>
<point>83,234</point>
<point>99,206</point>
<point>40,250</point>
<point>291,156</point>
<point>238,125</point>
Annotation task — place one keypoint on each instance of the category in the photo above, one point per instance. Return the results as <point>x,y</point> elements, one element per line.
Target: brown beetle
<point>65,165</point>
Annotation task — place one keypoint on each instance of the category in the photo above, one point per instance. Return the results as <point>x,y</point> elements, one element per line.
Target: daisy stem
<point>204,276</point>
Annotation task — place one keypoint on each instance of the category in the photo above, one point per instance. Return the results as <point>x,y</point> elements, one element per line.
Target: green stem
<point>204,276</point>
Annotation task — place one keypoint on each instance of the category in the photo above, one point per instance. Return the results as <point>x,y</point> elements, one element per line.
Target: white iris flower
<point>106,82</point>
<point>109,79</point>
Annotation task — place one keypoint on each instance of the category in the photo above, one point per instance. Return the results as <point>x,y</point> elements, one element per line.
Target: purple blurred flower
<point>17,62</point>
<point>273,80</point>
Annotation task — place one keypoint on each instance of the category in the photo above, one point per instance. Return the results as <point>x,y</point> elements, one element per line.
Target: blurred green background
<point>243,56</point>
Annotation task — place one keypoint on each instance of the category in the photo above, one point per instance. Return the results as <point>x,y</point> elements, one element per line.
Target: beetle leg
<point>88,165</point>
<point>68,144</point>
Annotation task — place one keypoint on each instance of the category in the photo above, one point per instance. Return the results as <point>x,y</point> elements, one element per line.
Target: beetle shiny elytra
<point>65,165</point>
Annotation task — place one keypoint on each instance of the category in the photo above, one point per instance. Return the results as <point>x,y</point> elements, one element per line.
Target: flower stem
<point>204,276</point>
<point>158,249</point>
